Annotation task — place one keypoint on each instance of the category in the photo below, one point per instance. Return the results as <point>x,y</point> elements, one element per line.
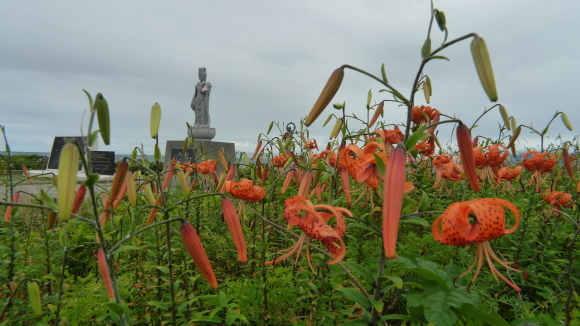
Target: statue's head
<point>202,74</point>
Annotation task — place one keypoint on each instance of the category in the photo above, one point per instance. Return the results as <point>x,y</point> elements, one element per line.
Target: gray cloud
<point>268,61</point>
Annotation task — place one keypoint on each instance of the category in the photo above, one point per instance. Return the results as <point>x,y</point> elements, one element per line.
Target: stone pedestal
<point>201,133</point>
<point>201,147</point>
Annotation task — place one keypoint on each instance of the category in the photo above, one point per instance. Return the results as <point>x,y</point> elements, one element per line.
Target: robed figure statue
<point>200,101</point>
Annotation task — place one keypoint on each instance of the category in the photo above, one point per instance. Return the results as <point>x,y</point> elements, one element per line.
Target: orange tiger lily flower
<point>312,144</point>
<point>538,164</point>
<point>454,228</point>
<point>426,147</point>
<point>559,199</point>
<point>279,161</point>
<point>508,174</point>
<point>329,155</point>
<point>314,223</point>
<point>488,158</point>
<point>207,167</point>
<point>418,114</point>
<point>361,164</point>
<point>445,169</point>
<point>390,137</point>
<point>245,190</point>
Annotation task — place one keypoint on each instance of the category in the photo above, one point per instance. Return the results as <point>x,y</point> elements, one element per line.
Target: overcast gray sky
<point>268,61</point>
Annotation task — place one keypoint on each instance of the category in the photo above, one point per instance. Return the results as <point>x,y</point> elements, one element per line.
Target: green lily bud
<point>483,66</point>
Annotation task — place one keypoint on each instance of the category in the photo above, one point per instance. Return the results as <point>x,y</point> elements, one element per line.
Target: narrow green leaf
<point>433,57</point>
<point>415,220</point>
<point>381,166</point>
<point>48,200</point>
<point>126,248</point>
<point>270,128</point>
<point>426,49</point>
<point>93,137</point>
<point>357,322</point>
<point>91,107</point>
<point>114,307</point>
<point>365,273</point>
<point>490,317</point>
<point>163,269</point>
<point>91,180</point>
<point>416,137</point>
<point>366,227</point>
<point>357,297</point>
<point>161,305</point>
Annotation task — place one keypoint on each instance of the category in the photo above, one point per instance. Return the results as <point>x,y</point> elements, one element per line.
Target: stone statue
<point>200,101</point>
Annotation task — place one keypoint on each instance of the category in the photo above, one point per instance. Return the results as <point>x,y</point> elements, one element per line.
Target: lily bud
<point>157,153</point>
<point>197,253</point>
<point>222,160</point>
<point>426,92</point>
<point>15,198</point>
<point>304,189</point>
<point>154,210</point>
<point>394,188</point>
<point>131,190</point>
<point>337,128</point>
<point>104,269</point>
<point>79,198</point>
<point>67,178</point>
<point>440,18</point>
<point>505,117</point>
<point>328,92</point>
<point>149,194</point>
<point>378,112</point>
<point>103,118</point>
<point>288,180</point>
<point>483,66</point>
<point>118,179</point>
<point>566,121</point>
<point>34,297</point>
<point>345,185</point>
<point>51,219</point>
<point>568,163</point>
<point>514,137</point>
<point>235,227</point>
<point>265,173</point>
<point>257,150</point>
<point>168,177</point>
<point>155,120</point>
<point>467,158</point>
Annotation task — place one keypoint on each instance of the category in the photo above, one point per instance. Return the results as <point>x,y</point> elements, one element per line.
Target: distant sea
<point>118,157</point>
